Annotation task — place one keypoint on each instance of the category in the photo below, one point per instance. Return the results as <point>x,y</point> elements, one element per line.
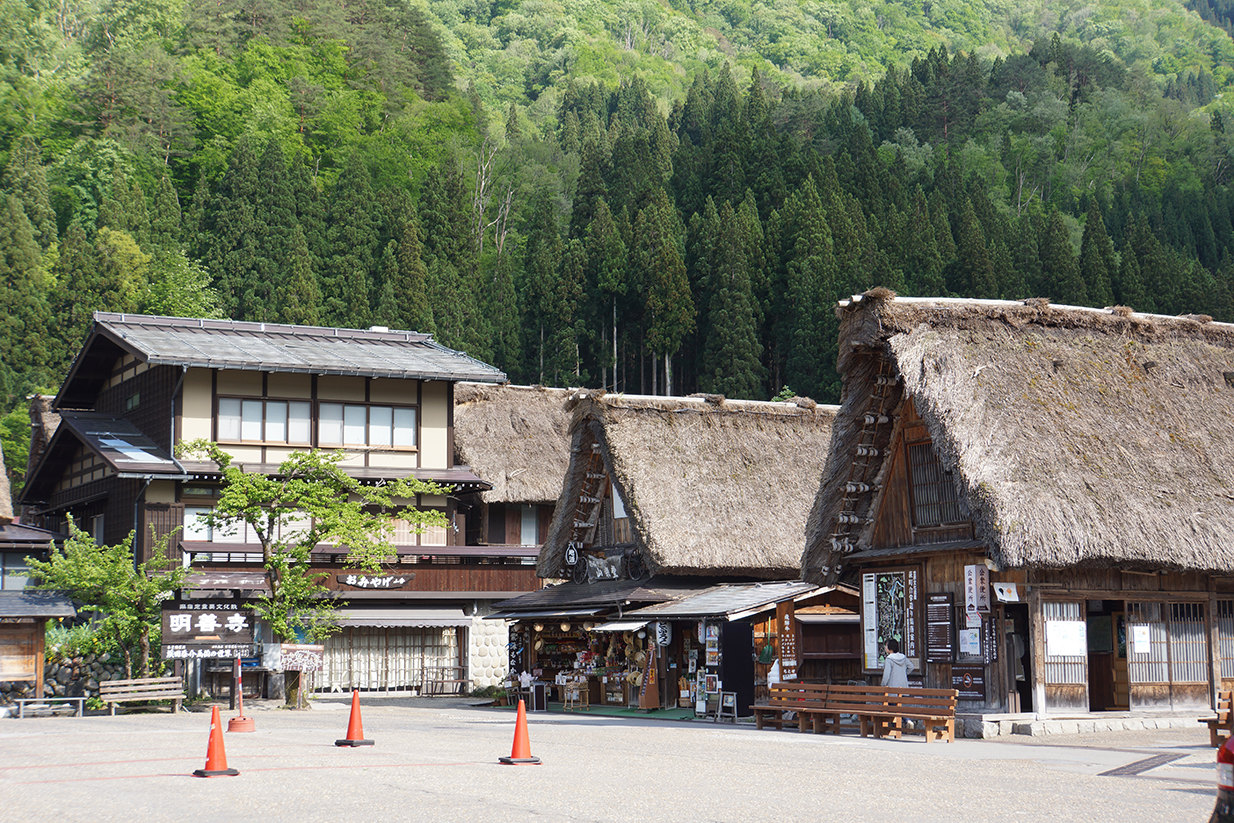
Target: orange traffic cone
<point>520,754</point>
<point>216,756</point>
<point>355,728</point>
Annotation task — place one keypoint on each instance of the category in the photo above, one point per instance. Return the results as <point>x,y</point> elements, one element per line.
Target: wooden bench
<point>1219,726</point>
<point>141,690</point>
<point>882,710</point>
<point>806,699</point>
<point>39,706</point>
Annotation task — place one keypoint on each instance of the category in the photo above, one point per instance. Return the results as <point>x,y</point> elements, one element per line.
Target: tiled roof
<point>231,344</point>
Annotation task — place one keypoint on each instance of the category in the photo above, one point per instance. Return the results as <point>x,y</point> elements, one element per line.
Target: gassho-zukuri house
<point>678,532</point>
<point>1037,501</point>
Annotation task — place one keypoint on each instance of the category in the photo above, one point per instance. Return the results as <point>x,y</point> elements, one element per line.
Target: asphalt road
<point>437,760</point>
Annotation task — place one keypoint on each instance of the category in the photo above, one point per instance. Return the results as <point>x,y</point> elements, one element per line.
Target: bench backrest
<point>793,694</point>
<point>859,698</point>
<point>139,685</point>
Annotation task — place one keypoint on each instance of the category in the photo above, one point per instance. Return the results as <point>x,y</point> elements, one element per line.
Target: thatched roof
<point>43,424</point>
<point>713,487</point>
<point>515,437</point>
<point>6,497</point>
<point>1075,436</point>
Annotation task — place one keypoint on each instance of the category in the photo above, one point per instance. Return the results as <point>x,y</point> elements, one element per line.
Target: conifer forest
<point>652,197</point>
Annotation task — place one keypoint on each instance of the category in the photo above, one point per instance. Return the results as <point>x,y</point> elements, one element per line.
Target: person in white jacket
<point>896,666</point>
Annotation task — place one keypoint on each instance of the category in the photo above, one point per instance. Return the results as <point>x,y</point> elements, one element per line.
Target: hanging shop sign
<point>1006,592</point>
<point>786,636</point>
<point>969,681</point>
<point>713,644</point>
<point>571,555</point>
<point>940,627</point>
<point>976,588</point>
<point>303,658</point>
<point>890,609</point>
<point>380,582</point>
<point>207,629</point>
<point>664,633</point>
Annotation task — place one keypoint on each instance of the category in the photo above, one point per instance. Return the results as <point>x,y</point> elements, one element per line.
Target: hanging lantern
<point>538,627</point>
<point>565,627</point>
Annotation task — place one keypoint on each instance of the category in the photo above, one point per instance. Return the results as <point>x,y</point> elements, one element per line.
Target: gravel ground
<point>437,759</point>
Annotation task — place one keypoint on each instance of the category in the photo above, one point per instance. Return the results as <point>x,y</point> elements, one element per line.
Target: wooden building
<point>517,439</point>
<point>668,499</point>
<point>1035,501</point>
<point>141,385</point>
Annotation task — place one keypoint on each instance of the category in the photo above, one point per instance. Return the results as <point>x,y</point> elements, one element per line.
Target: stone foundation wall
<point>77,677</point>
<point>488,660</point>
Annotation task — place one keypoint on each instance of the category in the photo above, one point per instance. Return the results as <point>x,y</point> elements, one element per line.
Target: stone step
<point>978,727</point>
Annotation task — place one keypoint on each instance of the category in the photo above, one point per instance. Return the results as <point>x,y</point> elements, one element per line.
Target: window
<point>196,528</point>
<point>380,427</point>
<point>528,530</point>
<point>264,421</point>
<point>935,499</point>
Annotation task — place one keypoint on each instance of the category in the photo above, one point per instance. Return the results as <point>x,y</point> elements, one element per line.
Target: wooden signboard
<point>649,689</point>
<point>940,627</point>
<point>786,637</point>
<point>969,681</point>
<point>303,658</point>
<point>379,582</point>
<point>207,629</point>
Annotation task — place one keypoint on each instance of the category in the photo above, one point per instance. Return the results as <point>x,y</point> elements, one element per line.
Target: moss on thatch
<point>1076,436</point>
<point>713,487</point>
<point>515,437</point>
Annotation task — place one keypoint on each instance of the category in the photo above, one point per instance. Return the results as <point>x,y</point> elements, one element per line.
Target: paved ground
<point>437,760</point>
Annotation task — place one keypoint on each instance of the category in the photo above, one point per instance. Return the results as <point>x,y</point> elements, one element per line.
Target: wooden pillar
<point>40,630</point>
<point>1214,646</point>
<point>1036,645</point>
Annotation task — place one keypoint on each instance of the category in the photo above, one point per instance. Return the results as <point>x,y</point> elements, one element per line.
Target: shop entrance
<point>1107,656</point>
<point>1019,671</point>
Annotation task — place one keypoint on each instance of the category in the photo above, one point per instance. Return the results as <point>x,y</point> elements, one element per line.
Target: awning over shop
<point>546,613</point>
<point>620,626</point>
<point>806,617</point>
<point>728,601</point>
<point>407,617</point>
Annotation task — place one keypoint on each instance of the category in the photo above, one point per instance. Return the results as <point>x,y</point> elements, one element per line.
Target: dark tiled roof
<point>230,344</point>
<point>35,604</point>
<point>600,593</point>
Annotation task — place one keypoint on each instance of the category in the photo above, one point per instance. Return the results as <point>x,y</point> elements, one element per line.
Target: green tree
<point>731,361</point>
<point>1059,271</point>
<point>670,306</point>
<point>25,177</point>
<point>127,596</point>
<point>1098,266</point>
<point>311,501</point>
<point>353,237</point>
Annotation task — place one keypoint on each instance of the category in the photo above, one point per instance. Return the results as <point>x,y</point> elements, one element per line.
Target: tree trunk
<point>145,652</point>
<point>614,344</point>
<point>668,375</point>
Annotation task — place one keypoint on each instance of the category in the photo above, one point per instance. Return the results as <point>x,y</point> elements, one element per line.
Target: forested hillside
<point>603,192</point>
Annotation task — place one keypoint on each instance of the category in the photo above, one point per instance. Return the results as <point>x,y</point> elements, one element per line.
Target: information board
<point>940,627</point>
<point>207,629</point>
<point>969,681</point>
<point>786,636</point>
<point>890,609</point>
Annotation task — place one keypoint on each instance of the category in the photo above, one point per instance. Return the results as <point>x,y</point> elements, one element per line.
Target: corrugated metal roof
<point>35,604</point>
<point>731,600</point>
<point>600,593</point>
<point>230,344</point>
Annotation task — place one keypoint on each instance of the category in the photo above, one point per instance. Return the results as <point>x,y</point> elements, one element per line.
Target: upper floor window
<point>265,421</point>
<point>346,424</point>
<point>936,501</point>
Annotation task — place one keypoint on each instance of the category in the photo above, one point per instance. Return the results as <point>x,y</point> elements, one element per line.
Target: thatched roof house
<point>711,487</point>
<point>515,437</point>
<point>1074,437</point>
